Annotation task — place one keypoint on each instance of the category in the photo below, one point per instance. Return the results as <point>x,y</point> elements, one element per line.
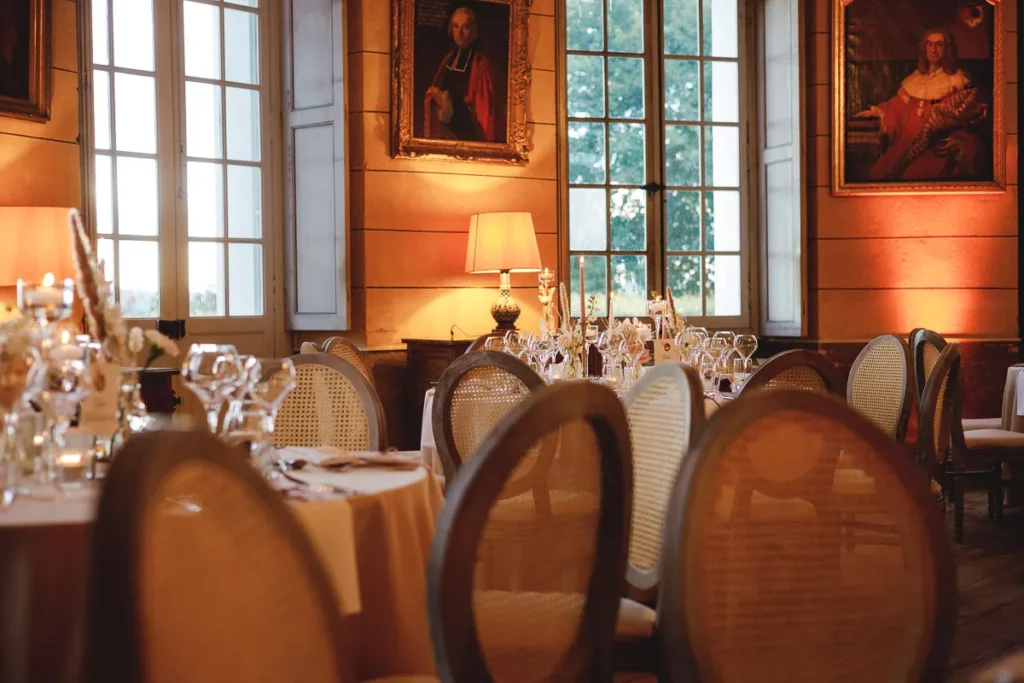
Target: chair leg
<point>992,491</point>
<point>958,508</point>
<point>998,476</point>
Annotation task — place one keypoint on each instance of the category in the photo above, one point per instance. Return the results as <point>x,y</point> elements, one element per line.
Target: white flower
<point>162,342</point>
<point>135,340</point>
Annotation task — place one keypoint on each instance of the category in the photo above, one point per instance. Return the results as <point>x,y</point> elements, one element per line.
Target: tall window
<point>179,155</point>
<point>656,159</point>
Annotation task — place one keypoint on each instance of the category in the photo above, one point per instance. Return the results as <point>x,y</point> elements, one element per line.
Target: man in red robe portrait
<point>928,123</point>
<point>459,103</point>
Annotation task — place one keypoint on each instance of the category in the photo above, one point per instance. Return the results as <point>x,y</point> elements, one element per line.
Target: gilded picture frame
<point>25,59</point>
<point>460,80</point>
<point>912,114</point>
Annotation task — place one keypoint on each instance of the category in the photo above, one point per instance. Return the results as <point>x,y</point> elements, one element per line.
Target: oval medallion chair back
<point>200,573</point>
<point>761,581</point>
<point>665,410</point>
<point>880,384</point>
<point>925,347</point>
<point>332,405</point>
<point>347,351</point>
<point>555,619</point>
<point>475,392</point>
<point>797,369</point>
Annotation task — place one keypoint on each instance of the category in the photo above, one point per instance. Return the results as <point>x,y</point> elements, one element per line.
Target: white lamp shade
<point>500,242</point>
<point>36,241</point>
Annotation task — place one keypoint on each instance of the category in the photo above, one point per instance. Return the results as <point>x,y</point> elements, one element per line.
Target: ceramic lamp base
<point>505,310</point>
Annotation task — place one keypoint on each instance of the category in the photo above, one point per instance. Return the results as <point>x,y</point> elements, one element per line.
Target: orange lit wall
<point>889,264</point>
<point>39,162</point>
<point>410,218</point>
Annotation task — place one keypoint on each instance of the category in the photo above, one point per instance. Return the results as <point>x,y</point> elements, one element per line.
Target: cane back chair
<point>797,369</point>
<point>347,351</point>
<point>880,384</point>
<point>925,347</point>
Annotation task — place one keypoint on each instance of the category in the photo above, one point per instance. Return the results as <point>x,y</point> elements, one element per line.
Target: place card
<point>98,415</point>
<point>665,350</point>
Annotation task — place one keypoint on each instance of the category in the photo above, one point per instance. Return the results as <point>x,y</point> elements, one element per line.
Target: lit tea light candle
<point>70,460</point>
<point>44,295</point>
<point>72,467</point>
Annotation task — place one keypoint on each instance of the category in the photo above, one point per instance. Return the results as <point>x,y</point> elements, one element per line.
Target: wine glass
<point>513,343</point>
<point>717,348</point>
<point>246,426</point>
<point>19,375</point>
<point>212,372</point>
<point>746,345</point>
<point>65,380</point>
<point>633,351</point>
<point>494,344</point>
<point>275,379</point>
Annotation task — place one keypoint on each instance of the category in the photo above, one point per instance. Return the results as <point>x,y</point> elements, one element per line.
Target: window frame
<point>655,121</point>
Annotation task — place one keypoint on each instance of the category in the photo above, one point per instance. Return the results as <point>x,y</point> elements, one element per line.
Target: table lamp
<point>502,243</point>
<point>36,241</point>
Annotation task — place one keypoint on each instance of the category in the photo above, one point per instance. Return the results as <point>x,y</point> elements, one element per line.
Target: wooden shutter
<point>782,164</point>
<point>316,238</point>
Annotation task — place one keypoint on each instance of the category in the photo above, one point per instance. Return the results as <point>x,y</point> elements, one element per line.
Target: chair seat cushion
<point>982,423</point>
<point>765,509</point>
<point>993,438</point>
<point>635,621</point>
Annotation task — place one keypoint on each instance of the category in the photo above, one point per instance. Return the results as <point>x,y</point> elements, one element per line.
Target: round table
<point>374,545</point>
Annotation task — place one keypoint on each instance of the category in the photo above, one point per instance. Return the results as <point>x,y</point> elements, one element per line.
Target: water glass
<point>741,369</point>
<point>212,372</point>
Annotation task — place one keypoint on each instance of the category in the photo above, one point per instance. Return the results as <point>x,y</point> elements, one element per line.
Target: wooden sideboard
<point>426,360</point>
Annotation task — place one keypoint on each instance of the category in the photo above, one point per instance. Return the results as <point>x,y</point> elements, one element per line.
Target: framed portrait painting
<point>918,98</point>
<point>460,80</point>
<point>25,59</point>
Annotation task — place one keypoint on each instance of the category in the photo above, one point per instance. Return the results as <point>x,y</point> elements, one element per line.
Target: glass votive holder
<point>74,467</point>
<point>46,302</point>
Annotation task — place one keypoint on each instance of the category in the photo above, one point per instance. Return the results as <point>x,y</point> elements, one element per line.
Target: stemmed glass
<point>693,340</point>
<point>19,379</point>
<point>633,352</point>
<point>717,349</point>
<point>276,379</point>
<point>746,346</point>
<point>64,382</point>
<point>212,372</point>
<point>494,344</point>
<point>514,343</point>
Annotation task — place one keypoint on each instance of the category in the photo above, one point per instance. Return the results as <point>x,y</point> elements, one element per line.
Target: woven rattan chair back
<point>554,620</point>
<point>665,410</point>
<point>200,573</point>
<point>347,351</point>
<point>763,582</point>
<point>925,347</point>
<point>472,396</point>
<point>879,387</point>
<point>332,405</point>
<point>480,343</point>
<point>310,347</point>
<point>797,369</point>
<point>936,410</point>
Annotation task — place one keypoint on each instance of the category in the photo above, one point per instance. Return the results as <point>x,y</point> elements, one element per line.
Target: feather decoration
<point>564,300</point>
<point>673,320</point>
<point>85,270</point>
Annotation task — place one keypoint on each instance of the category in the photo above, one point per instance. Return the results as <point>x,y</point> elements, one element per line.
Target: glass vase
<point>132,415</point>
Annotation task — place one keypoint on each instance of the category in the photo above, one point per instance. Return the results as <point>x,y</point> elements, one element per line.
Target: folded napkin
<point>329,457</point>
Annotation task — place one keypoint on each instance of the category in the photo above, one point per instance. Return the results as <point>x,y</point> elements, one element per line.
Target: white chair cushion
<point>635,621</point>
<point>993,438</point>
<point>982,423</point>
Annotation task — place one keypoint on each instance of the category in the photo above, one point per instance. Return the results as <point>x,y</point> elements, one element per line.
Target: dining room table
<point>371,526</point>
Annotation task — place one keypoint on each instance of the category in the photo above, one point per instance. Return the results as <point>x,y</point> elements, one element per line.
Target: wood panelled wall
<point>40,162</point>
<point>410,218</point>
<point>889,264</point>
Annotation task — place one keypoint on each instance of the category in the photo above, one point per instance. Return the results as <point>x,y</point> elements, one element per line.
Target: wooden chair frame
<point>462,521</point>
<point>645,583</point>
<point>900,431</point>
<point>114,633</point>
<point>360,354</point>
<point>918,338</point>
<point>364,390</point>
<point>794,358</point>
<point>441,417</point>
<point>680,659</point>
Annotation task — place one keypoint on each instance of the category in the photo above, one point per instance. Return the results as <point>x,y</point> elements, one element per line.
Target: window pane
<point>105,253</point>
<point>243,3</point>
<point>629,220</point>
<point>585,78</point>
<point>627,148</point>
<point>202,40</point>
<point>586,153</point>
<point>595,280</point>
<point>683,218</point>
<point>629,282</point>
<point>244,131</point>
<point>104,195</point>
<point>682,155</point>
<point>100,36</point>
<point>723,293</point>
<point>625,88</point>
<point>137,199</point>
<point>722,156</point>
<point>588,220</point>
<point>135,113</point>
<point>720,28</point>
<point>626,25</point>
<point>205,278</point>
<point>101,108</point>
<point>682,90</point>
<point>205,199</point>
<point>684,280</point>
<point>722,218</point>
<point>681,27</point>
<point>241,47</point>
<point>722,91</point>
<point>133,34</point>
<point>584,24</point>
<point>245,270</point>
<point>245,204</point>
<point>138,278</point>
<point>202,120</point>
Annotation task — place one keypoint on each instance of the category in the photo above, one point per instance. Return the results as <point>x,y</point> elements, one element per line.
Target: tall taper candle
<point>583,300</point>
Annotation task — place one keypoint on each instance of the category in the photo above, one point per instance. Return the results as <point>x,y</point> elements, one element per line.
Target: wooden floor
<point>990,568</point>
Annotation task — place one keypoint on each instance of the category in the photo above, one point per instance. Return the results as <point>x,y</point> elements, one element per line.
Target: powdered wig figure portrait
<point>921,120</point>
<point>461,79</point>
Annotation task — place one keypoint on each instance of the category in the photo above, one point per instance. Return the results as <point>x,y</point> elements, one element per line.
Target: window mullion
<point>174,185</point>
<point>656,225</point>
